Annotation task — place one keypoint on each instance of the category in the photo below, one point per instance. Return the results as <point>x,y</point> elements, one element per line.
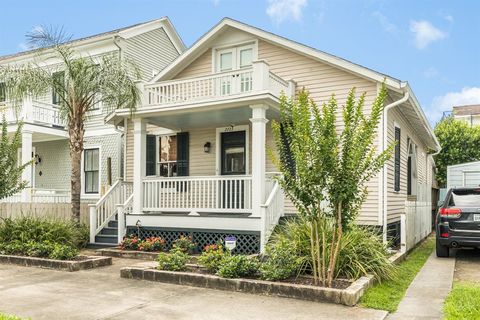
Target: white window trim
<point>218,146</point>
<point>252,43</point>
<point>84,195</point>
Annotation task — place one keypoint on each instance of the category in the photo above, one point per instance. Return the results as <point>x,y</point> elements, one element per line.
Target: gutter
<point>406,96</point>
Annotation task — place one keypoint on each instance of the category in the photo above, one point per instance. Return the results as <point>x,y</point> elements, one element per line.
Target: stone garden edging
<point>128,254</point>
<point>349,296</point>
<point>89,262</point>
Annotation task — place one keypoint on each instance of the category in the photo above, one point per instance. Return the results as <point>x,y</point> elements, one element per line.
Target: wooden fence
<point>54,210</point>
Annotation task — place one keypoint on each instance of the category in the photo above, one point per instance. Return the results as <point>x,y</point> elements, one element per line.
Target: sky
<point>432,44</point>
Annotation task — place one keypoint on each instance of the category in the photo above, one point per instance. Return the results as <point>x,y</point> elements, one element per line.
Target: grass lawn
<point>463,302</point>
<point>388,294</point>
<point>8,317</point>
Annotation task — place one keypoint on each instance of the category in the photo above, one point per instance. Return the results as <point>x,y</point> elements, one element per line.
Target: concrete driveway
<point>102,294</point>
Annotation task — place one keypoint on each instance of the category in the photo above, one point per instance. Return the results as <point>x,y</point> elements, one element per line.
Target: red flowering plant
<point>152,244</point>
<point>130,242</point>
<point>212,256</point>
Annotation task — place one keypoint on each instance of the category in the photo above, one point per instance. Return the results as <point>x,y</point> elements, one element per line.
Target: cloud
<point>281,10</point>
<point>386,24</point>
<point>425,33</point>
<point>468,95</point>
<point>430,73</point>
<point>216,2</point>
<point>449,18</point>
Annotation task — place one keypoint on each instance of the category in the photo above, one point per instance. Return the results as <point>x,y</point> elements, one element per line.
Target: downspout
<point>405,97</point>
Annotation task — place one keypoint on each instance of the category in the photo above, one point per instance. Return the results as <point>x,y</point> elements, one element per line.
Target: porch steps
<point>109,234</point>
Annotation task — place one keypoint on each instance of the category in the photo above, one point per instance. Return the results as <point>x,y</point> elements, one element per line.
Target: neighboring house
<point>196,148</point>
<point>151,45</point>
<point>463,175</point>
<point>468,113</point>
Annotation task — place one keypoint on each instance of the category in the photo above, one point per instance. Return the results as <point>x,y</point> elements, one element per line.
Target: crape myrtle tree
<point>81,82</point>
<point>325,167</point>
<point>11,171</point>
<point>460,143</point>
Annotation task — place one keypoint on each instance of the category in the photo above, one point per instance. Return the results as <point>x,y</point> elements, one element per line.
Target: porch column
<point>259,122</point>
<point>27,172</point>
<point>139,147</point>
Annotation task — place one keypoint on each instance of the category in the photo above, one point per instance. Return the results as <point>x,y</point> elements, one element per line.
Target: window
<point>3,92</point>
<point>226,61</point>
<point>168,156</point>
<point>412,168</point>
<point>246,57</point>
<point>58,77</point>
<point>397,159</point>
<point>91,164</point>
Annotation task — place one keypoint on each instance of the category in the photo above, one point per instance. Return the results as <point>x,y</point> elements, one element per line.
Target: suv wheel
<point>442,251</point>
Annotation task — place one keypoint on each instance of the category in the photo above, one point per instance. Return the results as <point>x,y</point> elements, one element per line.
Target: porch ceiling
<point>210,117</point>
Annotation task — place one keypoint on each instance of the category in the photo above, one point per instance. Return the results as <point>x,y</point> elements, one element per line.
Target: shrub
<point>184,244</point>
<point>237,266</point>
<point>175,260</point>
<point>212,256</point>
<point>282,261</point>
<point>63,252</point>
<point>43,229</point>
<point>39,249</point>
<point>130,243</point>
<point>362,252</point>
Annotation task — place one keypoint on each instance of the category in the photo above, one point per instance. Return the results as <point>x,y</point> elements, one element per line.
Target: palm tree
<point>80,82</point>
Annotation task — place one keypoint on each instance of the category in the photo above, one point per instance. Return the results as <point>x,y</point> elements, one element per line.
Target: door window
<point>233,153</point>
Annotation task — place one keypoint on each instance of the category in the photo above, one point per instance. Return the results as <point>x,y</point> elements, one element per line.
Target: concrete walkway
<point>102,294</point>
<point>424,298</point>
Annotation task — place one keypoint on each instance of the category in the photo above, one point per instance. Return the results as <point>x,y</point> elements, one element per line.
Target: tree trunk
<point>336,245</point>
<point>76,133</point>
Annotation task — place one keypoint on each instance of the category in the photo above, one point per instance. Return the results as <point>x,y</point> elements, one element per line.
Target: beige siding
<point>200,67</point>
<point>322,80</point>
<point>151,51</point>
<point>396,200</point>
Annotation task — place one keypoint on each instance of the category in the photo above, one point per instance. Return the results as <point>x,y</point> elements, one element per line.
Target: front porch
<point>197,156</point>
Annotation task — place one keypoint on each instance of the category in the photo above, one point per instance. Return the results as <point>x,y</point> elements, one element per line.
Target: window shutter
<point>151,152</point>
<point>3,92</point>
<point>286,157</point>
<point>182,154</point>
<point>397,159</point>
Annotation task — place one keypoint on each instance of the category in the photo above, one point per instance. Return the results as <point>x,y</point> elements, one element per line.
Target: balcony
<point>33,112</point>
<point>246,82</point>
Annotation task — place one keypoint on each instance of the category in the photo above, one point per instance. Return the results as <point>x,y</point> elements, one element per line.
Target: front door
<point>233,162</point>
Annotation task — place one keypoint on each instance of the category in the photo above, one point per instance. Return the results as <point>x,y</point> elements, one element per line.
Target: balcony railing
<point>198,194</point>
<point>33,111</point>
<point>224,85</point>
<point>39,195</point>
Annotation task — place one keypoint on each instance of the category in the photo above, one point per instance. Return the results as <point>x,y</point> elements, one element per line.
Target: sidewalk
<point>424,298</point>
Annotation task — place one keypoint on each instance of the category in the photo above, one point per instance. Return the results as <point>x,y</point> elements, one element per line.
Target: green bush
<point>175,260</point>
<point>41,229</point>
<point>237,266</point>
<point>212,256</point>
<point>63,252</point>
<point>362,252</point>
<point>281,261</point>
<point>39,249</point>
<point>184,244</point>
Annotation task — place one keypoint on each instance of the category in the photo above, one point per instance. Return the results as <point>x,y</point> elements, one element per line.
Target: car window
<point>465,198</point>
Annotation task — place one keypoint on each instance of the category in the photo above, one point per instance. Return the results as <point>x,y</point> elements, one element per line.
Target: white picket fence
<point>416,223</point>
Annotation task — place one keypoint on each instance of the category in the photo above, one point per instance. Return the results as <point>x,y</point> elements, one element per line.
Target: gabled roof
<point>208,38</point>
<point>125,32</point>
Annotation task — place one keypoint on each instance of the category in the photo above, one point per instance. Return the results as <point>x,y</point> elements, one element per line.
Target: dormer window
<point>234,58</point>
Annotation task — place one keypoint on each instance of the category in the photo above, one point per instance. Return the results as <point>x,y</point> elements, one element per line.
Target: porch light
<point>206,147</point>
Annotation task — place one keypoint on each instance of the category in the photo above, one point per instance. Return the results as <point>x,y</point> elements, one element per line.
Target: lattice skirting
<point>247,242</point>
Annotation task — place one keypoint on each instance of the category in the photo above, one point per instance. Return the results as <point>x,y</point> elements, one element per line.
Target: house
<point>463,175</point>
<point>468,113</point>
<point>152,46</point>
<point>195,150</point>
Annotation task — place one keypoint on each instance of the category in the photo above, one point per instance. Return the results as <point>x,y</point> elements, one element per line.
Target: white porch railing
<point>103,211</point>
<point>33,111</point>
<point>272,210</point>
<point>416,223</point>
<point>42,196</point>
<point>216,86</point>
<point>211,194</point>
